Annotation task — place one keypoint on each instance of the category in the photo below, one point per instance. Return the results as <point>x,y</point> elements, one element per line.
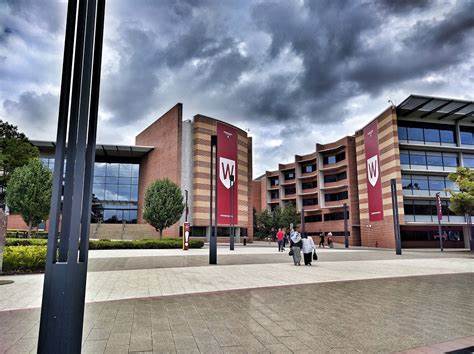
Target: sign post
<point>440,217</point>
<point>186,230</point>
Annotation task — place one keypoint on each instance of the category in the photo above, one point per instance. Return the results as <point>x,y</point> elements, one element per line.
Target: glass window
<point>111,191</point>
<point>468,161</point>
<point>134,193</point>
<point>420,182</point>
<point>424,208</point>
<point>274,194</point>
<point>436,183</point>
<point>402,133</point>
<point>135,170</point>
<point>113,169</point>
<point>289,175</point>
<point>432,135</point>
<point>125,170</point>
<point>467,138</point>
<point>404,158</point>
<point>308,185</point>
<point>99,191</point>
<point>111,180</point>
<point>447,136</point>
<point>100,169</point>
<point>450,160</point>
<point>310,201</point>
<point>417,158</point>
<point>434,159</point>
<point>406,182</point>
<point>124,192</point>
<point>290,191</point>
<point>451,185</point>
<point>408,208</point>
<point>415,134</point>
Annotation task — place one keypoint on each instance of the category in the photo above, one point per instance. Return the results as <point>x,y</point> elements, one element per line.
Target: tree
<point>462,202</point>
<point>29,192</point>
<point>264,224</point>
<point>163,204</point>
<point>15,151</point>
<point>289,215</point>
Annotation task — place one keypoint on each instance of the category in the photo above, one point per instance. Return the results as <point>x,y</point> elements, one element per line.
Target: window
<point>436,184</point>
<point>468,160</point>
<point>425,210</point>
<point>289,175</point>
<point>332,159</point>
<point>335,216</point>
<point>332,197</point>
<point>313,218</point>
<point>428,160</point>
<point>417,158</point>
<point>309,185</point>
<point>290,190</point>
<point>404,158</point>
<point>335,178</point>
<point>426,133</point>
<point>412,184</point>
<point>434,159</point>
<point>274,181</point>
<point>274,194</point>
<point>310,201</point>
<point>450,160</point>
<point>467,136</point>
<point>308,168</point>
<point>420,183</point>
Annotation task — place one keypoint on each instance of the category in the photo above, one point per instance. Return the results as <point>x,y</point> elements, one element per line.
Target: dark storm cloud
<point>280,64</point>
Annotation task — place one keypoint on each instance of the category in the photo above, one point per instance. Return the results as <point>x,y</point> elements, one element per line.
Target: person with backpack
<point>308,249</point>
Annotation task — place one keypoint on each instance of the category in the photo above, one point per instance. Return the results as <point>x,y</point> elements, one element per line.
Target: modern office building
<point>168,148</point>
<point>318,184</point>
<point>418,143</point>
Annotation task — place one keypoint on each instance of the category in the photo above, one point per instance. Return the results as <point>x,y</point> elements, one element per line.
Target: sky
<point>291,73</point>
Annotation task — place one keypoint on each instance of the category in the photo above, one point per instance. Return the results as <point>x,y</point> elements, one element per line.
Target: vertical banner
<point>374,181</point>
<point>186,230</point>
<point>439,208</point>
<point>226,166</point>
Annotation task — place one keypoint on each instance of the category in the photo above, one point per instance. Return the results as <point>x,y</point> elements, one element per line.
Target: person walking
<point>308,248</point>
<point>321,240</point>
<point>330,241</point>
<point>280,235</point>
<point>295,243</point>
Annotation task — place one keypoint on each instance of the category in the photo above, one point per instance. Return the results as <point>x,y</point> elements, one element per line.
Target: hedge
<point>108,244</point>
<point>21,259</point>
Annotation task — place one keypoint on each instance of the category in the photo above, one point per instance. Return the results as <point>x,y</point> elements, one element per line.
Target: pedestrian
<point>321,240</point>
<point>295,243</point>
<point>330,242</point>
<point>280,235</point>
<point>308,248</point>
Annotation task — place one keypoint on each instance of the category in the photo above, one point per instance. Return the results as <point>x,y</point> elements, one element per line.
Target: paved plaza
<point>356,300</point>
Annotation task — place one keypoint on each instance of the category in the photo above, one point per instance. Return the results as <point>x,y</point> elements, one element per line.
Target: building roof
<point>436,108</point>
<point>104,152</point>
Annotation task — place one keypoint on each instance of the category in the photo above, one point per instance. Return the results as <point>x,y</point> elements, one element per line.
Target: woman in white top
<point>308,248</point>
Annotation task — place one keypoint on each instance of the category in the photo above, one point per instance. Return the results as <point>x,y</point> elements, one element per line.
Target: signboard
<point>439,207</point>
<point>186,231</point>
<point>374,181</point>
<point>226,166</point>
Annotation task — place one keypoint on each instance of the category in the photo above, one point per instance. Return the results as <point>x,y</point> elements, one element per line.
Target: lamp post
<point>346,231</point>
<point>212,204</point>
<point>396,221</point>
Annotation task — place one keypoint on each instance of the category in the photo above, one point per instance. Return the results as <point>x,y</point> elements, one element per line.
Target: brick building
<point>420,142</point>
<point>168,148</point>
<point>319,183</point>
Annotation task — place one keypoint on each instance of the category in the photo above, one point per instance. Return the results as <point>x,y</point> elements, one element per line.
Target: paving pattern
<point>369,316</point>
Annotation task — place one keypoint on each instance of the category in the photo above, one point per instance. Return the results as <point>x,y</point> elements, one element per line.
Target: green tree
<point>289,215</point>
<point>163,204</point>
<point>462,202</point>
<point>264,224</point>
<point>29,192</point>
<point>15,151</point>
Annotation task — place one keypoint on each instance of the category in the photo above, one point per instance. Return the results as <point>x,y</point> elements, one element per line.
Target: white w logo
<point>226,169</point>
<point>373,170</point>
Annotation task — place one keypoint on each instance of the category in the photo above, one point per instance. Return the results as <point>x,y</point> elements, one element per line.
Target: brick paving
<point>370,316</point>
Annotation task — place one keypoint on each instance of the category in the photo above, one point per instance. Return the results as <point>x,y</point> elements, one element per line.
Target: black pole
<point>346,232</point>
<point>213,236</point>
<point>186,203</point>
<point>232,241</point>
<point>396,222</point>
<point>62,310</point>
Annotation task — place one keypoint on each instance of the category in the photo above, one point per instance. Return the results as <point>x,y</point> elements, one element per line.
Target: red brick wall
<point>165,160</point>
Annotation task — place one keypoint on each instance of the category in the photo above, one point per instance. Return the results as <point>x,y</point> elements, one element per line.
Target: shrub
<point>21,259</point>
<point>25,242</point>
<point>14,233</point>
<point>167,243</point>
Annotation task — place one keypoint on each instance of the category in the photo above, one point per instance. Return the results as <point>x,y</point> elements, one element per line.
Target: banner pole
<point>396,222</point>
<point>231,239</point>
<point>213,232</point>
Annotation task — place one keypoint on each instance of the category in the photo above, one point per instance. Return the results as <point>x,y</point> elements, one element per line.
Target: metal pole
<point>213,236</point>
<point>438,206</point>
<point>232,213</point>
<point>186,211</point>
<point>396,222</point>
<point>62,310</point>
<point>346,232</point>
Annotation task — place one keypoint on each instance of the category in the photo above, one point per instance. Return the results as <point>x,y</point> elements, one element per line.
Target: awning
<point>436,108</point>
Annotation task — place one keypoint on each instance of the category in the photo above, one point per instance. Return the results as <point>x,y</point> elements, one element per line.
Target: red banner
<point>227,207</point>
<point>374,181</point>
<point>439,208</point>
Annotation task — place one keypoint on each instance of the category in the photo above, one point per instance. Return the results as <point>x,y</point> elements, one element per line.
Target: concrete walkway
<point>26,290</point>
